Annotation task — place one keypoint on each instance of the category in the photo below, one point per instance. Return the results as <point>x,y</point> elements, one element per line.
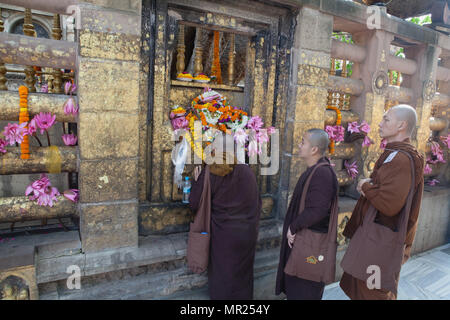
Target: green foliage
<point>426,19</point>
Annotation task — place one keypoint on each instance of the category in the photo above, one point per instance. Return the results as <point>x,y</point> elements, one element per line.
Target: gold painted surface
<point>28,30</point>
<point>343,218</point>
<point>423,110</point>
<point>374,111</point>
<point>19,283</point>
<point>109,46</point>
<point>57,73</point>
<point>106,85</point>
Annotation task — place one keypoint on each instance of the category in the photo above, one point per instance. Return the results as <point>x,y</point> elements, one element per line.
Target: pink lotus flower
<point>261,136</point>
<point>353,127</point>
<point>14,132</point>
<point>255,123</point>
<point>69,139</point>
<point>271,130</point>
<point>427,169</point>
<point>44,121</point>
<point>72,194</point>
<point>335,133</point>
<point>429,160</point>
<point>69,88</point>
<point>240,136</point>
<point>330,131</point>
<point>364,127</point>
<point>32,127</point>
<point>433,182</point>
<point>47,198</point>
<point>70,107</point>
<point>44,88</point>
<point>179,123</point>
<point>437,151</point>
<point>339,133</point>
<point>3,145</point>
<point>383,144</point>
<point>446,140</point>
<point>352,169</point>
<point>42,191</point>
<point>37,187</point>
<point>252,148</point>
<point>367,142</point>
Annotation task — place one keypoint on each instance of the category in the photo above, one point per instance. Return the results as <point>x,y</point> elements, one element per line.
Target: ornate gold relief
<point>18,284</point>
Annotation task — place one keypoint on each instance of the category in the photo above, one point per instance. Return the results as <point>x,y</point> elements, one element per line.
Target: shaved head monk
<point>315,216</point>
<point>385,195</point>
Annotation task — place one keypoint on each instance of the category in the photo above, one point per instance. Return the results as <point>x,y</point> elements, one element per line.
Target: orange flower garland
<point>215,69</point>
<point>338,123</point>
<point>24,117</point>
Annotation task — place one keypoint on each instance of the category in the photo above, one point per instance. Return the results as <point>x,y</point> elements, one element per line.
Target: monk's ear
<point>315,150</point>
<point>403,126</point>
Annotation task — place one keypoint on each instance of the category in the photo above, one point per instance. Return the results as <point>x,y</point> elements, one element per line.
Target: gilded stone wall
<point>108,78</point>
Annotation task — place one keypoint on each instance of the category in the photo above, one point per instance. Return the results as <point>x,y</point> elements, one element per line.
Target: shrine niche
<point>18,284</point>
<point>242,52</point>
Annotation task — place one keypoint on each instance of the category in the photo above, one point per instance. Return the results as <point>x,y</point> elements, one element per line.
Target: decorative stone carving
<point>380,82</point>
<point>429,90</point>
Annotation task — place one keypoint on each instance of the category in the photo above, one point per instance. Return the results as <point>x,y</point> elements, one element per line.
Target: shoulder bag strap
<point>306,186</point>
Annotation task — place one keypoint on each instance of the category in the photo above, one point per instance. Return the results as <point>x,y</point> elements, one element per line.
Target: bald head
<point>404,112</point>
<point>319,138</point>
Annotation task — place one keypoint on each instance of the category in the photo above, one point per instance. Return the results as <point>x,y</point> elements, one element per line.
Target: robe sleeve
<point>390,189</point>
<point>320,194</point>
<point>196,191</point>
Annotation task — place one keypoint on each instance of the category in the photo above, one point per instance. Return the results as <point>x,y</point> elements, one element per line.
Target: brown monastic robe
<point>387,192</point>
<point>235,212</point>
<point>315,216</point>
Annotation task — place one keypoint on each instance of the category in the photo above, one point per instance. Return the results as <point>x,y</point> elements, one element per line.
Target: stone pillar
<point>370,104</point>
<point>108,92</point>
<point>423,85</point>
<point>307,97</point>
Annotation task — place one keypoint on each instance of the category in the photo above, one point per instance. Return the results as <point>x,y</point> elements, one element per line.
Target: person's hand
<point>197,171</point>
<point>290,237</point>
<point>360,184</point>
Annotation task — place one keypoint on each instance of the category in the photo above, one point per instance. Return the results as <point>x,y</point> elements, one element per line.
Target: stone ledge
<point>151,250</point>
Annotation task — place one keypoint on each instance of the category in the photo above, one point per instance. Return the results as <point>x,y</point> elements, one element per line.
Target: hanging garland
<point>24,117</point>
<point>338,123</point>
<point>215,69</point>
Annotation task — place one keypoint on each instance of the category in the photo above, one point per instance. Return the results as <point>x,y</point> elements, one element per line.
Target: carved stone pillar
<point>28,30</point>
<point>370,104</point>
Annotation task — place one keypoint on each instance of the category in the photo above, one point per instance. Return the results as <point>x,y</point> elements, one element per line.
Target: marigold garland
<point>215,69</point>
<point>338,123</point>
<point>24,117</point>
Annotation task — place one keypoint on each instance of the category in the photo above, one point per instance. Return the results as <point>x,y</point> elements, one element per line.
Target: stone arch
<point>15,18</point>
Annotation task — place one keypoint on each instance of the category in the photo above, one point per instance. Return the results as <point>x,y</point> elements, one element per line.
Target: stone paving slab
<point>425,276</point>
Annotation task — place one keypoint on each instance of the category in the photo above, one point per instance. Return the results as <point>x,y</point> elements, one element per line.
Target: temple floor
<point>425,276</point>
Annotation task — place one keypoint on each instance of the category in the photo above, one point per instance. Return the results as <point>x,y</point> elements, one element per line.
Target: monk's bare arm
<point>389,191</point>
<point>320,194</point>
<point>196,191</point>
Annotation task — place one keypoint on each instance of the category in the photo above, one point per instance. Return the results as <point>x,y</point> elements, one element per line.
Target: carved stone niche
<point>18,273</point>
<point>18,284</point>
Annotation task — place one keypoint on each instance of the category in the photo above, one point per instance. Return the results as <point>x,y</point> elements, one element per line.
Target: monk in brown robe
<point>235,212</point>
<point>315,216</point>
<point>387,190</point>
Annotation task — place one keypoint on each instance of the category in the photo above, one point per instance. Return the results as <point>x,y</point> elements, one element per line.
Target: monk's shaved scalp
<point>404,112</point>
<point>319,138</point>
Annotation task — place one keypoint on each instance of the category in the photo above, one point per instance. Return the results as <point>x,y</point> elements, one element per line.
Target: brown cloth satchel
<point>313,255</point>
<point>376,245</point>
<point>199,232</point>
